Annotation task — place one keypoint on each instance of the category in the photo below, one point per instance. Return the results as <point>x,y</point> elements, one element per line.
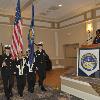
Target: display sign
<point>88,61</point>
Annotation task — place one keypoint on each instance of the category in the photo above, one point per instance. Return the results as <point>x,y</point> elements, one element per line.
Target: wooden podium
<point>91,46</point>
<point>86,50</point>
<point>86,88</point>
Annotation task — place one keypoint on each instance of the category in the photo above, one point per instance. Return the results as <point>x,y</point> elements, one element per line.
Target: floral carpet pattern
<point>50,94</point>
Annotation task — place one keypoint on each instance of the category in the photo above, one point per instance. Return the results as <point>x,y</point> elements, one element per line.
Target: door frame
<point>64,47</point>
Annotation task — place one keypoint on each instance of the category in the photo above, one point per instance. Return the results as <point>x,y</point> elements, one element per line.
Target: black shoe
<point>43,89</point>
<point>31,91</point>
<point>21,95</point>
<point>11,94</point>
<point>8,98</point>
<point>39,83</point>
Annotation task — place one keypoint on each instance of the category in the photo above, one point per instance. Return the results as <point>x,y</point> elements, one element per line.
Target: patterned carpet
<point>50,94</point>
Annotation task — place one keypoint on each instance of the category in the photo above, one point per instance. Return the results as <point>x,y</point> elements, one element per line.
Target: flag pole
<point>31,38</point>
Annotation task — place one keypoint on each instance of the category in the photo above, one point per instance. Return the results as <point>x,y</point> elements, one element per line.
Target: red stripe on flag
<point>19,30</point>
<point>14,46</point>
<point>17,43</point>
<point>16,35</point>
<point>13,53</point>
<point>14,42</point>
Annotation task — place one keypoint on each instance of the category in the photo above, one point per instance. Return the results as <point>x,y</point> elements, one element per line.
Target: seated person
<point>97,38</point>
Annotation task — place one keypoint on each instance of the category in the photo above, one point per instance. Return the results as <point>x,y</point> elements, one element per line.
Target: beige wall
<point>47,36</point>
<point>71,35</point>
<point>55,38</point>
<point>5,34</point>
<point>41,34</point>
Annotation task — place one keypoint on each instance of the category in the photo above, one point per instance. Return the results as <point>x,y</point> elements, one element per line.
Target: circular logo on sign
<point>89,61</point>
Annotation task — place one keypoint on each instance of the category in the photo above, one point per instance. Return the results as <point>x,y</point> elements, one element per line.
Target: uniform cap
<point>7,46</point>
<point>40,44</point>
<point>27,50</point>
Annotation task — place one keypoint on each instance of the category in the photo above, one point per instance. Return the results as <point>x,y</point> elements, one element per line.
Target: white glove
<point>4,64</point>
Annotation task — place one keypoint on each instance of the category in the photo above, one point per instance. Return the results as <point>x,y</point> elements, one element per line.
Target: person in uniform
<point>97,38</point>
<point>20,73</point>
<point>7,71</point>
<point>40,64</point>
<point>31,73</point>
<point>96,41</point>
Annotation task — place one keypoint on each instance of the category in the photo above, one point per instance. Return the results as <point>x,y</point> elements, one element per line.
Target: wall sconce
<point>89,27</point>
<point>89,30</point>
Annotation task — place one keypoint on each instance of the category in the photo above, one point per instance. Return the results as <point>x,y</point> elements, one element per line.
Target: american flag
<point>31,38</point>
<point>17,43</point>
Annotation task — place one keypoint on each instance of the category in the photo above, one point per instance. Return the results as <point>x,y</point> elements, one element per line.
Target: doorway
<point>70,55</point>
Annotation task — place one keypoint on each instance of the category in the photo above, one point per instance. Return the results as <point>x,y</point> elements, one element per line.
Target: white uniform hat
<point>7,46</point>
<point>40,44</point>
<point>27,50</point>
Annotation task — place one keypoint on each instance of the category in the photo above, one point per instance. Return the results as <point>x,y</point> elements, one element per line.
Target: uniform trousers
<point>41,73</point>
<point>8,84</point>
<point>21,81</point>
<point>31,79</point>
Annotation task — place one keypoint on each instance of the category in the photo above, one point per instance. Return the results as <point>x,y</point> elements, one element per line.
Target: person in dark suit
<point>96,41</point>
<point>7,71</point>
<point>31,73</point>
<point>40,63</point>
<point>48,63</point>
<point>20,73</point>
<point>97,38</point>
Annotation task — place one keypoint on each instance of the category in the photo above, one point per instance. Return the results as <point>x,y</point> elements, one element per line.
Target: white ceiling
<point>48,9</point>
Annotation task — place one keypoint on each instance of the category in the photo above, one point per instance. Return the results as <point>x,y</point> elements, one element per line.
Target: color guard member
<point>7,72</point>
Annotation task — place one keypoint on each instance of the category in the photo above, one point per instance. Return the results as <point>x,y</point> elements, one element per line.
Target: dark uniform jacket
<point>40,58</point>
<point>96,40</point>
<point>29,69</point>
<point>48,63</point>
<point>20,67</point>
<point>43,58</point>
<point>7,70</point>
